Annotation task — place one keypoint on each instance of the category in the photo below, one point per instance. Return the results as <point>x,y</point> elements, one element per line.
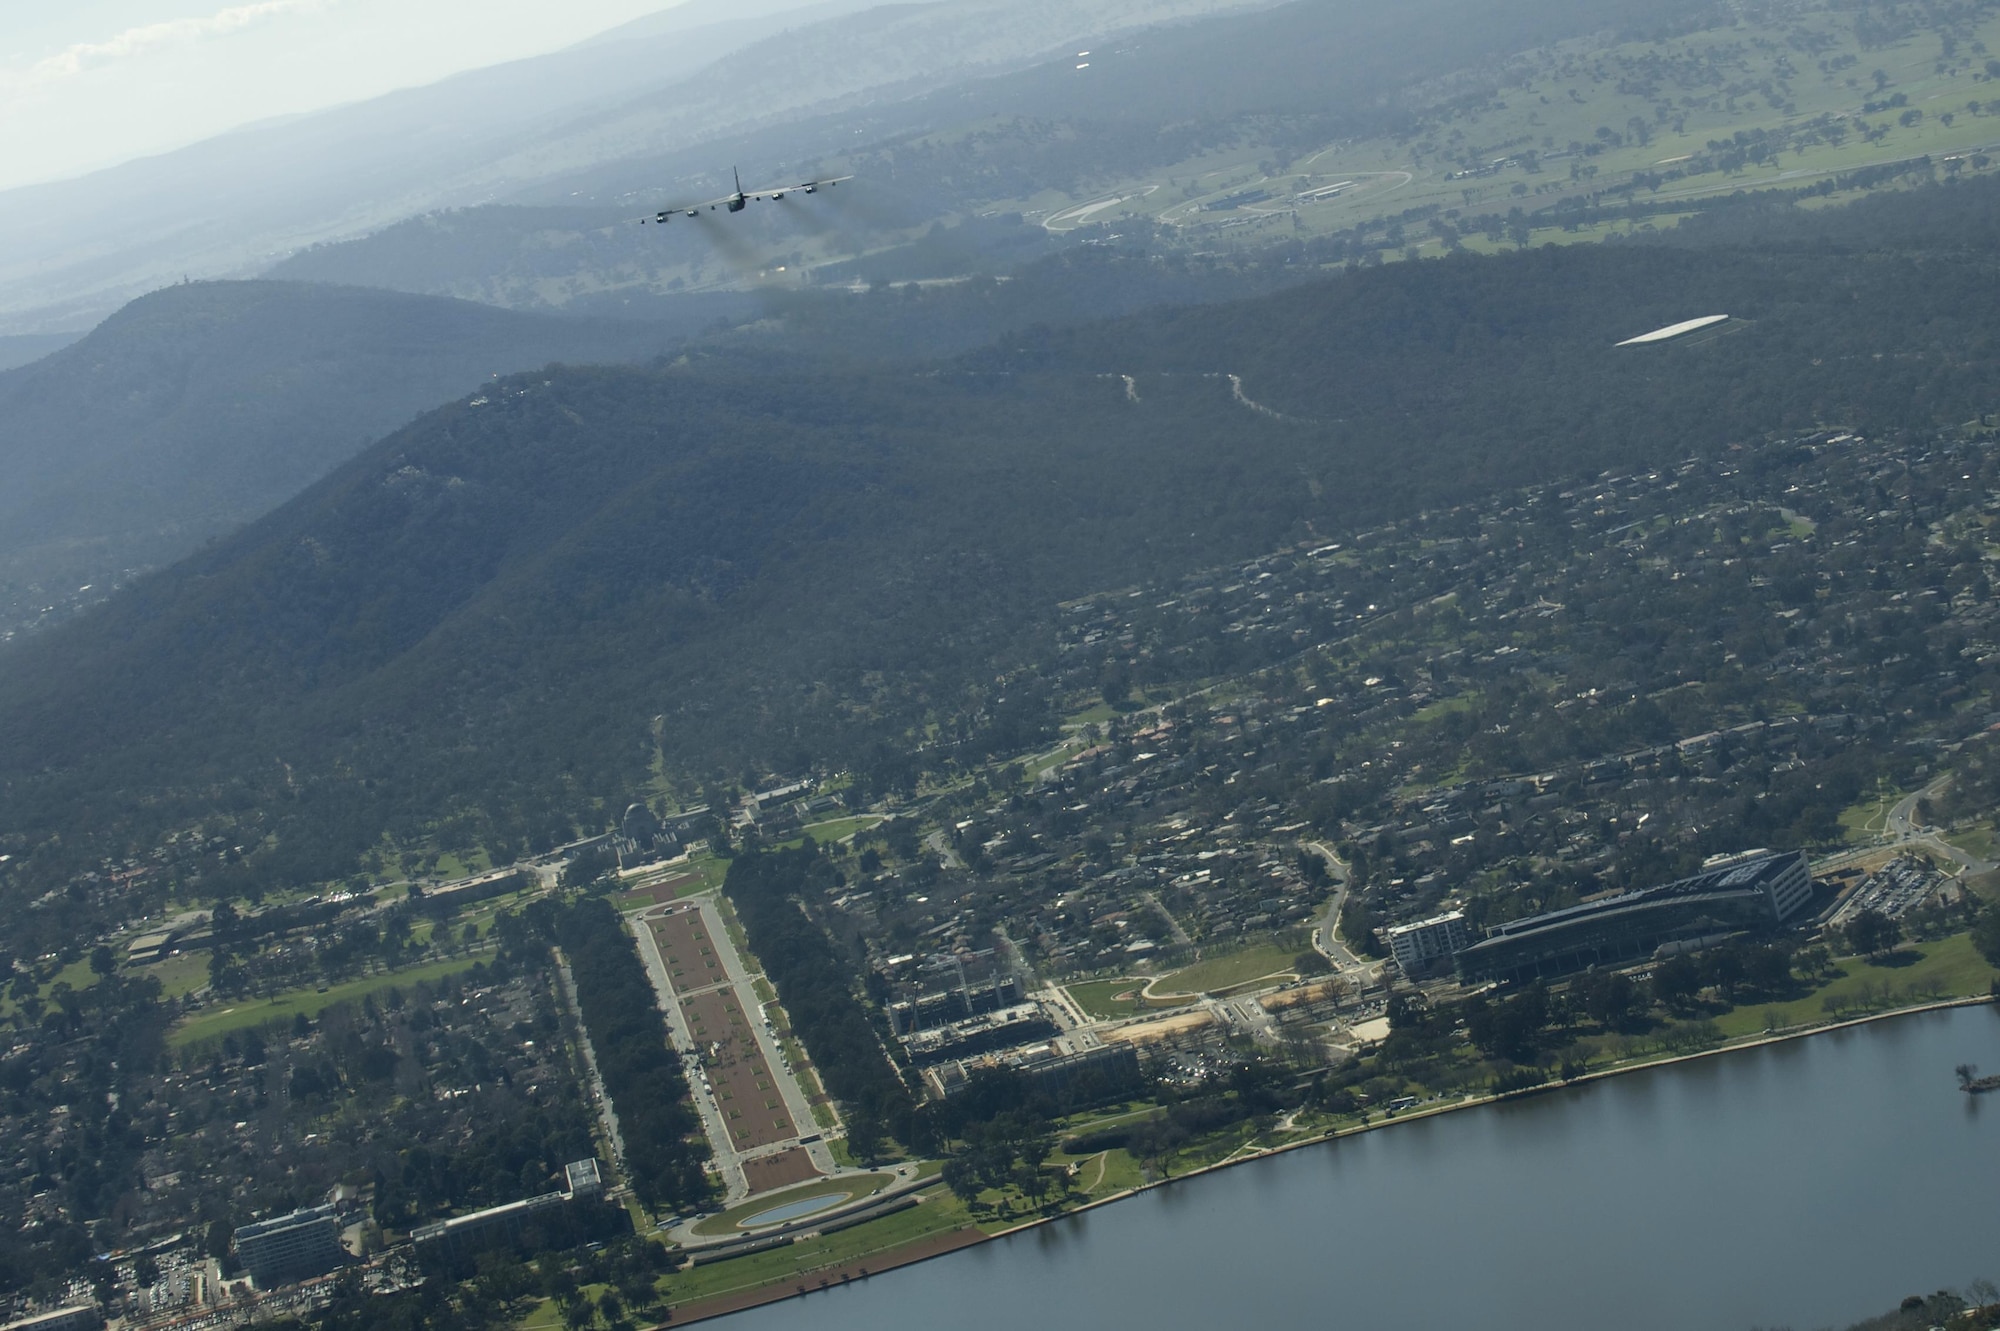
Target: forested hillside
<point>530,605</point>
<point>199,407</point>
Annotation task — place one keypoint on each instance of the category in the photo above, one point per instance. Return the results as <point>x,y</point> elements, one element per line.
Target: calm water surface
<point>1806,1184</point>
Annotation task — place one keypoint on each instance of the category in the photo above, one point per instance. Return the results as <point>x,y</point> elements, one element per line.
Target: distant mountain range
<point>1274,80</point>
<point>202,406</point>
<point>72,251</point>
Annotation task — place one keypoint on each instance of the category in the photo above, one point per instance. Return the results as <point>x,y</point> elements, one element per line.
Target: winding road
<point>1901,829</point>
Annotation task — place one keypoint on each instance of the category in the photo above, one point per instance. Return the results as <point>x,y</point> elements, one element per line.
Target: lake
<point>1804,1184</point>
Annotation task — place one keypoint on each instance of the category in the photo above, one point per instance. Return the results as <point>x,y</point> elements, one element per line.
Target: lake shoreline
<point>929,1248</point>
<point>1529,1092</point>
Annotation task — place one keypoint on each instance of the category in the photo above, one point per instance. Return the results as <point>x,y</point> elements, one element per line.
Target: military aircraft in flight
<point>742,199</point>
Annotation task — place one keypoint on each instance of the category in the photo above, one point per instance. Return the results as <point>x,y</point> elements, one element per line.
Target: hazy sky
<point>88,83</point>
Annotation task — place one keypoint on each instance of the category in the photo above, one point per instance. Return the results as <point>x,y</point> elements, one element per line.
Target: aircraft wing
<point>749,195</point>
<point>683,209</point>
<point>796,187</point>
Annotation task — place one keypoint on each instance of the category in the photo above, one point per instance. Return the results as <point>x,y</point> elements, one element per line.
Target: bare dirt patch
<point>1148,1031</point>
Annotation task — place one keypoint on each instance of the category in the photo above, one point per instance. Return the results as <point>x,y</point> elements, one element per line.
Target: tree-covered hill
<point>201,406</point>
<point>526,605</point>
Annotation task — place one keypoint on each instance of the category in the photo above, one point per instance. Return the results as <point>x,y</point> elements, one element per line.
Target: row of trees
<point>819,990</point>
<point>1523,1026</point>
<point>664,1146</point>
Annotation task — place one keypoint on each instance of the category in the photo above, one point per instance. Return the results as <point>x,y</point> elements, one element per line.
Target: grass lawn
<point>1977,841</point>
<point>181,975</point>
<point>839,829</point>
<point>1100,998</point>
<point>1095,715</point>
<point>939,1213</point>
<point>217,1022</point>
<point>1101,1173</point>
<point>451,867</point>
<point>1948,968</point>
<point>857,1185</point>
<point>77,975</point>
<point>1443,707</point>
<point>1227,971</point>
<point>710,870</point>
<point>1131,1112</point>
<point>1868,819</point>
<point>1115,1172</point>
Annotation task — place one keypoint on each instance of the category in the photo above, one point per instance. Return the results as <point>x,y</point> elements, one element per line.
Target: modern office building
<point>581,1179</point>
<point>291,1248</point>
<point>1751,892</point>
<point>1428,943</point>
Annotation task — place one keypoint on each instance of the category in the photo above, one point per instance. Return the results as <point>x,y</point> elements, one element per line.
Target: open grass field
<point>708,871</point>
<point>857,1185</point>
<point>1101,1173</point>
<point>840,829</point>
<point>214,1023</point>
<point>1107,999</point>
<point>1868,819</point>
<point>1095,715</point>
<point>704,873</point>
<point>1444,707</point>
<point>1584,117</point>
<point>179,975</point>
<point>1978,841</point>
<point>1214,974</point>
<point>1948,968</point>
<point>452,866</point>
<point>77,975</point>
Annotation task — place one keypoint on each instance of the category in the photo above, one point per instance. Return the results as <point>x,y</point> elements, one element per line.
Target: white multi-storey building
<point>1427,943</point>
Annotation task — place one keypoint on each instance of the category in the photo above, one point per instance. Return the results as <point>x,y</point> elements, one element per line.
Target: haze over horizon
<point>87,86</point>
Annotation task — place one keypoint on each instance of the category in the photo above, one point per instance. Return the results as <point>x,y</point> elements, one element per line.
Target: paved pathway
<point>1901,829</point>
